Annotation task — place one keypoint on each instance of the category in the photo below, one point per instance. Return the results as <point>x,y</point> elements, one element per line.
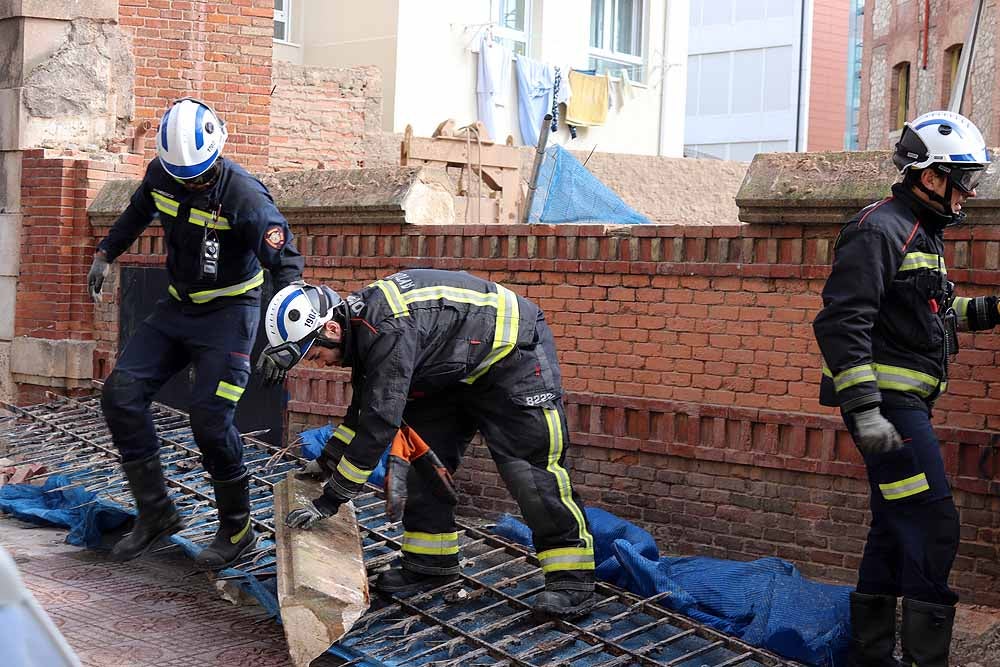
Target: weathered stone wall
<point>325,118</point>
<point>894,33</point>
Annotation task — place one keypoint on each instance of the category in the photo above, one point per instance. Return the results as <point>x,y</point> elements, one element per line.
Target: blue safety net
<point>567,192</point>
<point>765,602</point>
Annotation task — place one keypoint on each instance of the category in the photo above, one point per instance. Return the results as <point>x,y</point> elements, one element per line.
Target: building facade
<point>910,59</point>
<point>428,54</point>
<point>766,75</point>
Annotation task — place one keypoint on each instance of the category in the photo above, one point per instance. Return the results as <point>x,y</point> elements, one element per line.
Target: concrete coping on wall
<point>829,188</point>
<point>414,195</point>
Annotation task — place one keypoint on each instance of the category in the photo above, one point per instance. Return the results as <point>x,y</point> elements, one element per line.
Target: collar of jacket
<point>932,219</point>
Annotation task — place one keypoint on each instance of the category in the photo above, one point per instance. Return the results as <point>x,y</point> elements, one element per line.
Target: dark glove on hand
<point>874,433</point>
<point>319,469</point>
<point>320,508</point>
<point>271,373</point>
<point>98,272</point>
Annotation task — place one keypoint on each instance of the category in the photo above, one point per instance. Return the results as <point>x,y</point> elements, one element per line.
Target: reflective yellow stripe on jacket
<point>923,260</point>
<point>233,290</point>
<point>895,378</point>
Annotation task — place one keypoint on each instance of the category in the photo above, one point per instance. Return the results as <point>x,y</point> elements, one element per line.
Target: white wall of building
<point>743,82</point>
<point>427,51</point>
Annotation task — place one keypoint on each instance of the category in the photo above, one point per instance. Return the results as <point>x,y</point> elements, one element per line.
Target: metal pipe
<point>965,62</point>
<point>543,139</point>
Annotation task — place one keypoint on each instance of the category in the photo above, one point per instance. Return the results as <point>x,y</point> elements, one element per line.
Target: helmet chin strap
<point>945,201</point>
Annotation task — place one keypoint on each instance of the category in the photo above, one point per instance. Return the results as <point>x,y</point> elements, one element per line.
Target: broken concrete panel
<point>8,296</point>
<point>60,9</point>
<point>11,114</point>
<point>52,363</point>
<point>10,181</point>
<point>82,93</point>
<point>7,388</point>
<point>10,243</point>
<point>322,581</point>
<point>429,204</point>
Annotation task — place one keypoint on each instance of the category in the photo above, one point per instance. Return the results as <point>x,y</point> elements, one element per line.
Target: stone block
<point>64,10</point>
<point>52,363</point>
<point>11,119</point>
<point>7,389</point>
<point>10,243</point>
<point>10,181</point>
<point>322,580</point>
<point>8,295</point>
<point>11,52</point>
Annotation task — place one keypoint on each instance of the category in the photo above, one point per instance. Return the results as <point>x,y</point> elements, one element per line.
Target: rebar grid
<point>474,618</point>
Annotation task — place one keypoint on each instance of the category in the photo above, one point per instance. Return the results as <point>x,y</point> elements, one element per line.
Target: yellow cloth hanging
<point>588,105</point>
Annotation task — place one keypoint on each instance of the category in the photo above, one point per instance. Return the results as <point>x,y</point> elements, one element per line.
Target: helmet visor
<point>966,180</point>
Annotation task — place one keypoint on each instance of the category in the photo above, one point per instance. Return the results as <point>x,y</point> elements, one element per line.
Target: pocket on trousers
<point>235,377</point>
<point>898,475</point>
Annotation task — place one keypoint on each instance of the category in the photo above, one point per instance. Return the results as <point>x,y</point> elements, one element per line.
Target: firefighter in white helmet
<point>221,230</point>
<point>887,330</point>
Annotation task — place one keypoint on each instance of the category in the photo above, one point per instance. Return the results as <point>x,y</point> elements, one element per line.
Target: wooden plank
<point>322,581</point>
<point>455,150</point>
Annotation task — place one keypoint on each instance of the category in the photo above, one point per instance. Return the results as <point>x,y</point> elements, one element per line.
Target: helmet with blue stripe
<point>190,139</point>
<point>946,141</point>
<point>297,313</point>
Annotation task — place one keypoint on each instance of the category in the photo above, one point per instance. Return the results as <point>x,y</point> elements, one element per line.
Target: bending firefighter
<point>451,355</point>
<point>887,329</point>
<point>220,226</point>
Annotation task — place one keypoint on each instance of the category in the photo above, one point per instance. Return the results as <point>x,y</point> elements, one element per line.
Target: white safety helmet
<point>190,139</point>
<point>946,141</point>
<point>297,313</point>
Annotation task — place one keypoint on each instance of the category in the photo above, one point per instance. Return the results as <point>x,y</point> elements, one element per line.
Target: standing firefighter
<point>887,329</point>
<point>220,226</point>
<point>450,354</point>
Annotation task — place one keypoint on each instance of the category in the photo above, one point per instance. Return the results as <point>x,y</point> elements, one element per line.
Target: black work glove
<point>275,362</point>
<point>95,277</point>
<point>320,508</point>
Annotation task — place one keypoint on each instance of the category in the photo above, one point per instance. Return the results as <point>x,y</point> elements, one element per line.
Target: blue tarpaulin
<point>765,602</point>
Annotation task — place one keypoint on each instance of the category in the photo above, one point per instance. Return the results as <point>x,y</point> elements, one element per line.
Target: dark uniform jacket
<point>883,325</point>
<point>237,210</point>
<point>413,334</point>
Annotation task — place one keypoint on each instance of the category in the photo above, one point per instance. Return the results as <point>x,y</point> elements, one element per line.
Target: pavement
<point>156,611</point>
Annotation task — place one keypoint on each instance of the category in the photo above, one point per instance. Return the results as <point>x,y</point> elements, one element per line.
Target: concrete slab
<point>322,581</point>
<point>52,363</point>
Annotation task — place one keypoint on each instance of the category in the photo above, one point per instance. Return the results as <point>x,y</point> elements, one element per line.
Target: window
<point>616,37</point>
<point>282,29</point>
<point>952,56</point>
<point>741,82</point>
<point>900,101</point>
<point>513,19</point>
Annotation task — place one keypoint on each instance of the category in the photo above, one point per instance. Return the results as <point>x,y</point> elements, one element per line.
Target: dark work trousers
<point>518,409</point>
<point>217,341</point>
<point>914,533</point>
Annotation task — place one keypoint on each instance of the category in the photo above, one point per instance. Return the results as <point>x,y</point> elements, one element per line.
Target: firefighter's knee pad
<point>124,400</point>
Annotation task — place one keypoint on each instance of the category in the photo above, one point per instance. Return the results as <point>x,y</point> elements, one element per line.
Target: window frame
<point>512,36</point>
<point>899,103</point>
<point>608,31</point>
<point>952,59</point>
<point>284,17</point>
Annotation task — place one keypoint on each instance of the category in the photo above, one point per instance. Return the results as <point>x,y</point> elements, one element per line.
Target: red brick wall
<point>52,299</point>
<point>325,118</point>
<point>828,76</point>
<point>217,51</point>
<point>691,377</point>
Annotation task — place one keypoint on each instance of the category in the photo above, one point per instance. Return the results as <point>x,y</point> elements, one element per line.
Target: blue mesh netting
<point>567,192</point>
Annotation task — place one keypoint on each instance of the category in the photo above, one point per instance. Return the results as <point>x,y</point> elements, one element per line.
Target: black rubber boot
<point>926,633</point>
<point>157,517</point>
<point>235,535</point>
<point>562,604</point>
<point>401,580</point>
<point>873,631</point>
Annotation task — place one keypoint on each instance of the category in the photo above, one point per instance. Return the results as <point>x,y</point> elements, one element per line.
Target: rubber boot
<point>235,535</point>
<point>926,633</point>
<point>157,517</point>
<point>873,631</point>
<point>562,603</point>
<point>401,580</point>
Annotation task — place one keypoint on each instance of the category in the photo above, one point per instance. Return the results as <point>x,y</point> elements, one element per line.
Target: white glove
<point>314,471</point>
<point>875,434</point>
